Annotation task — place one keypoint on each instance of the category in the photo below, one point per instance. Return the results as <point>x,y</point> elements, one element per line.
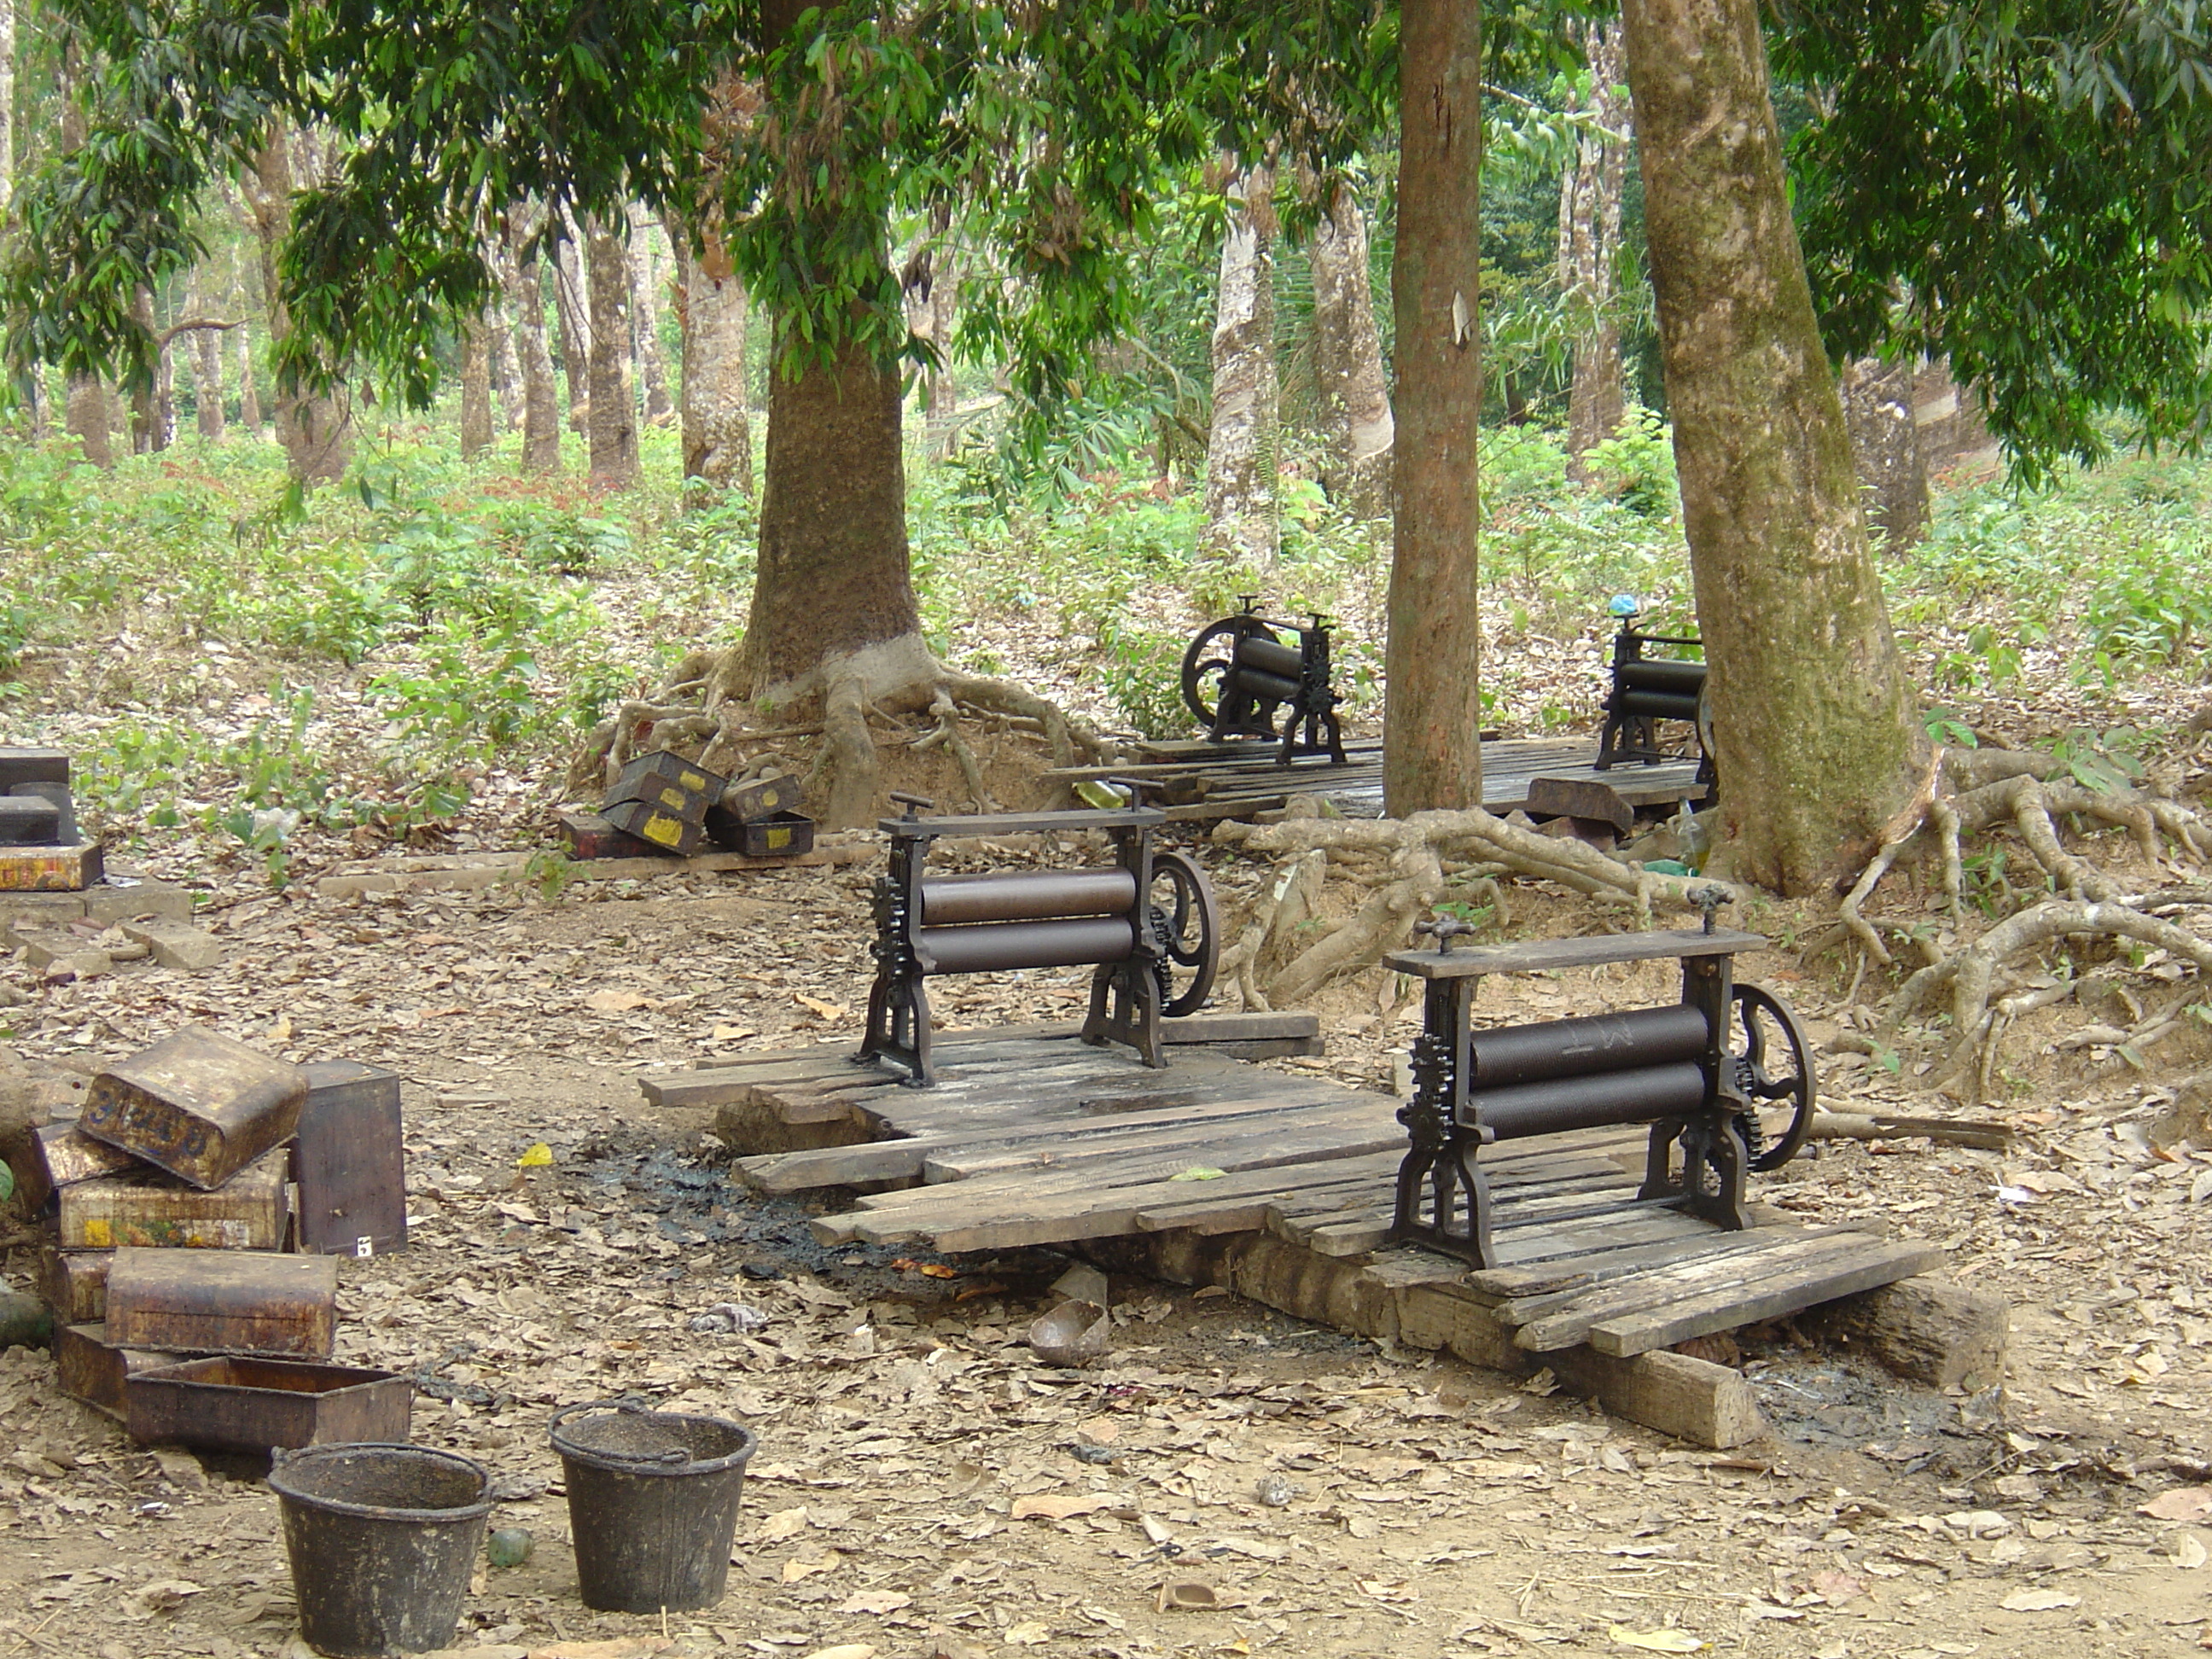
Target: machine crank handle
<point>1712,901</point>
<point>914,805</point>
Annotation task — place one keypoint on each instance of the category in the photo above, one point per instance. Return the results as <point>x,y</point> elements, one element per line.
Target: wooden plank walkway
<point>1202,780</point>
<point>1037,1140</point>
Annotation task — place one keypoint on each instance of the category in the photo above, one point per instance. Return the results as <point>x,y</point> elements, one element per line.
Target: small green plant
<point>551,871</point>
<point>1636,467</point>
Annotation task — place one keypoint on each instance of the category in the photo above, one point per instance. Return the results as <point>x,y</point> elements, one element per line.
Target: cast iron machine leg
<point>1441,1173</point>
<point>1125,995</point>
<point>1714,1157</point>
<point>898,1004</point>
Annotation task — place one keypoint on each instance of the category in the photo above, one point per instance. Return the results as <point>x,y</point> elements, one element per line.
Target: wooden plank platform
<point>1033,1137</point>
<point>1202,780</point>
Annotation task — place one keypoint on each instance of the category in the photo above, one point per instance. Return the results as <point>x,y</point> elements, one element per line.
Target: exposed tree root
<point>864,706</point>
<point>1405,861</point>
<point>2024,794</point>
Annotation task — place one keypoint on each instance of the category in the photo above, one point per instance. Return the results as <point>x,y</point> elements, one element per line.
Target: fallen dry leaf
<point>1028,1633</point>
<point>784,1524</point>
<point>1059,1506</point>
<point>1655,1641</point>
<point>1837,1588</point>
<point>2182,1504</point>
<point>875,1602</point>
<point>621,1647</point>
<point>2188,1552</point>
<point>801,1566</point>
<point>2039,1600</point>
<point>831,1011</point>
<point>617,1002</point>
<point>1190,1593</point>
<point>846,1650</point>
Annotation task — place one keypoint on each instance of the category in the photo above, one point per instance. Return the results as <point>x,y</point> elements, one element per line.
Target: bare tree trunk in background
<point>651,282</point>
<point>85,416</point>
<point>712,308</point>
<point>249,400</point>
<point>572,309</point>
<point>932,281</point>
<point>505,367</point>
<point>614,396</point>
<point>1886,451</point>
<point>1589,247</point>
<point>153,407</point>
<point>203,361</point>
<point>1816,727</point>
<point>7,105</point>
<point>1355,393</point>
<point>1241,519</point>
<point>475,388</point>
<point>525,294</point>
<point>316,431</point>
<point>1432,712</point>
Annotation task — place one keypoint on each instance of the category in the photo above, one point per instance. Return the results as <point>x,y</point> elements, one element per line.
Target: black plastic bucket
<point>383,1540</point>
<point>653,1504</point>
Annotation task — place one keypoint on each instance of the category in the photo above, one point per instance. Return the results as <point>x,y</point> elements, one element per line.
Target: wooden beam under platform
<point>1280,1185</point>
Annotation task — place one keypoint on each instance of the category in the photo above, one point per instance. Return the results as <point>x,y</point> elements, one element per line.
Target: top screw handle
<point>1711,901</point>
<point>1445,929</point>
<point>914,805</point>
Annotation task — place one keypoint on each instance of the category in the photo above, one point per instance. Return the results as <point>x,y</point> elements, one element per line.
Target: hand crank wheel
<point>1207,662</point>
<point>1773,1063</point>
<point>1182,901</point>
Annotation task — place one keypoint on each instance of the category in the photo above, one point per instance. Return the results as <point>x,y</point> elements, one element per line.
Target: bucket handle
<point>638,1406</point>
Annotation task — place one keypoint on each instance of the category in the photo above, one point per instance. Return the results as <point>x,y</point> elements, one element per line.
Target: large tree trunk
<point>1241,519</point>
<point>1878,411</point>
<point>1589,244</point>
<point>526,293</point>
<point>476,388</point>
<point>710,302</point>
<point>833,579</point>
<point>1431,722</point>
<point>1355,393</point>
<point>573,313</point>
<point>651,362</point>
<point>317,429</point>
<point>614,396</point>
<point>1816,731</point>
<point>85,414</point>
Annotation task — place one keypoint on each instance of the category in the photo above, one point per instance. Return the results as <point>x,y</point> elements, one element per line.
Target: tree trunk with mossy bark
<point>1815,726</point>
<point>1432,714</point>
<point>316,428</point>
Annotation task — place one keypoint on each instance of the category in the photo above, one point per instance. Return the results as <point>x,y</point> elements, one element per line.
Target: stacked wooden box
<point>174,1199</point>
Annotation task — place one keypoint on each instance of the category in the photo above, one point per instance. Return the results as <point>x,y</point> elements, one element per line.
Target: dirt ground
<point>923,1487</point>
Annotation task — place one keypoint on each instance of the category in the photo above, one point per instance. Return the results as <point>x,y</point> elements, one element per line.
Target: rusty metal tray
<point>229,1402</point>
